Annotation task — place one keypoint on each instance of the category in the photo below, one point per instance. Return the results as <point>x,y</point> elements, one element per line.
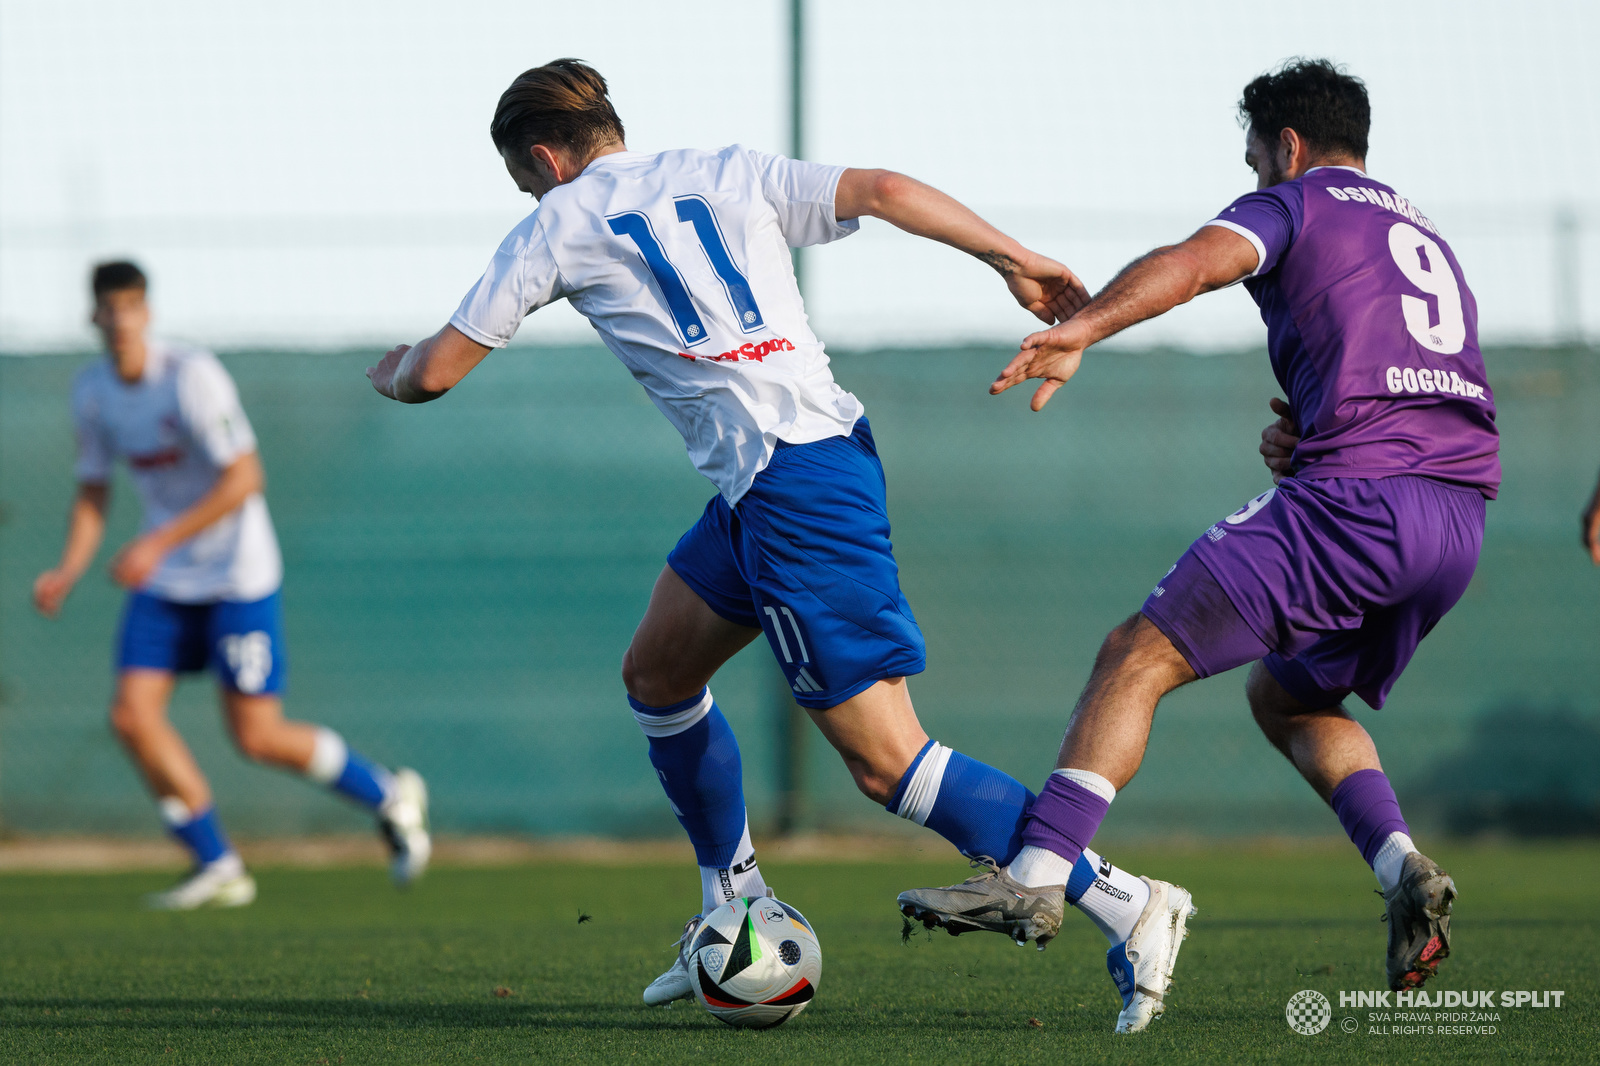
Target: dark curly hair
<point>1325,106</point>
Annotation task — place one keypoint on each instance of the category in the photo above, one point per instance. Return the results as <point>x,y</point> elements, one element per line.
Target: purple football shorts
<point>1332,583</point>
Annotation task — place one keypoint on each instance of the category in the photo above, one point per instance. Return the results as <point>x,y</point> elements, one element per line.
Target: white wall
<point>320,172</point>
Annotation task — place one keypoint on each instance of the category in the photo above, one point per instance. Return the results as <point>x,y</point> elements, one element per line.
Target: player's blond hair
<point>563,103</point>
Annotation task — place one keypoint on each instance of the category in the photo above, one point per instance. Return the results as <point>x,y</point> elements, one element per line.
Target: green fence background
<point>462,579</point>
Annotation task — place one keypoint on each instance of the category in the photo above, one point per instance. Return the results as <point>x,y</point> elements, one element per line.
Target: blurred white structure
<point>318,174</point>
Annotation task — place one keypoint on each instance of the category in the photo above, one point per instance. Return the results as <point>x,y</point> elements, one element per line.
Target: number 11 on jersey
<point>635,225</point>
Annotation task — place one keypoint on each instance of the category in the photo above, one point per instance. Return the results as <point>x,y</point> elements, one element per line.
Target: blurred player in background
<point>203,577</point>
<point>680,260</point>
<point>1327,582</point>
<point>1591,526</point>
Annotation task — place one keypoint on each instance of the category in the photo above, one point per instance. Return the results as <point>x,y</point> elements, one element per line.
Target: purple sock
<point>1367,809</point>
<point>1064,818</point>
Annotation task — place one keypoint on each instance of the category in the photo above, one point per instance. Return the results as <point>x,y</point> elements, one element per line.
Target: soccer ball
<point>755,963</point>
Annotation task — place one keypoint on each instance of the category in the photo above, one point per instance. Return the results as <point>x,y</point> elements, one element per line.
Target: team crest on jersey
<point>746,352</point>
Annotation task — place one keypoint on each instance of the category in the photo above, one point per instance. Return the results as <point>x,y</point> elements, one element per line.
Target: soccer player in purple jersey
<point>1326,582</point>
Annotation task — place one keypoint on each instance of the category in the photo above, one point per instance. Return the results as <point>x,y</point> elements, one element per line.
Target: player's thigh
<point>679,644</point>
<point>245,645</point>
<point>1296,564</point>
<point>250,716</point>
<point>876,732</point>
<point>1437,544</point>
<point>815,548</point>
<point>140,700</point>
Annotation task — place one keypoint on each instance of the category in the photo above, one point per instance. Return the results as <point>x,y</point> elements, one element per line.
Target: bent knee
<point>655,683</point>
<point>630,672</point>
<point>127,721</point>
<point>1270,703</point>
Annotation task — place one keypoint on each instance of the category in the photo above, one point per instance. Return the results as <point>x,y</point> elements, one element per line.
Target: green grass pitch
<point>332,966</point>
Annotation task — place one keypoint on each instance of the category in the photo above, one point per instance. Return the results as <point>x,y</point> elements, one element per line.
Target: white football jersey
<point>680,260</point>
<point>178,427</point>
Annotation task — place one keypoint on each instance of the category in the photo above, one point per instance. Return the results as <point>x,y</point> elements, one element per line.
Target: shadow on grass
<point>233,1016</point>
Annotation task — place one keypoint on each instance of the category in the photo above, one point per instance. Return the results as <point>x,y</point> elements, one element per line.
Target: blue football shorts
<point>806,556</point>
<point>241,641</point>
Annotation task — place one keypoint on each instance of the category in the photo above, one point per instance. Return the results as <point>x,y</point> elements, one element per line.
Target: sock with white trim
<point>1062,822</point>
<point>974,806</point>
<point>347,772</point>
<point>201,833</point>
<point>696,757</point>
<point>741,877</point>
<point>1366,806</point>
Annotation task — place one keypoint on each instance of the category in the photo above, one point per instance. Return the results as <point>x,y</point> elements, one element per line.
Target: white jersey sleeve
<point>92,464</point>
<point>522,277</point>
<point>803,196</point>
<point>208,406</point>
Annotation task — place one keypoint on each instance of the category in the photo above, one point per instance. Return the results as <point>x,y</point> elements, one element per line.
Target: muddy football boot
<point>1142,965</point>
<point>991,902</point>
<point>1418,912</point>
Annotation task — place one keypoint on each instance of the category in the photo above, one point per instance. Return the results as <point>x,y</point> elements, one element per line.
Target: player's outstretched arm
<point>428,369</point>
<point>140,557</point>
<point>1591,527</point>
<point>86,526</point>
<point>1213,258</point>
<point>1041,285</point>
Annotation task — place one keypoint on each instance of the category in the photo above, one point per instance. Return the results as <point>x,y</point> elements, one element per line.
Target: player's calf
<point>1418,895</point>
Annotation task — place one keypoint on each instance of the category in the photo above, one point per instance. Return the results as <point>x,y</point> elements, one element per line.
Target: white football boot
<point>403,821</point>
<point>222,882</point>
<point>1142,965</point>
<point>674,984</point>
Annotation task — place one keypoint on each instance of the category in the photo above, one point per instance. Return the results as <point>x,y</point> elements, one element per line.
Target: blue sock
<point>201,833</point>
<point>974,806</point>
<point>363,780</point>
<point>347,772</point>
<point>697,759</point>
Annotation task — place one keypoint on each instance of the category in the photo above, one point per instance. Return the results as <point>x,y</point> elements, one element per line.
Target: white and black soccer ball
<point>755,963</point>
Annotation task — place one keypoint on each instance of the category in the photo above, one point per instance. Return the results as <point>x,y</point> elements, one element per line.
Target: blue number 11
<point>692,209</point>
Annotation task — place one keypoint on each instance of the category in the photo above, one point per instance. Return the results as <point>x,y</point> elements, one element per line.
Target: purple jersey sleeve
<point>1270,219</point>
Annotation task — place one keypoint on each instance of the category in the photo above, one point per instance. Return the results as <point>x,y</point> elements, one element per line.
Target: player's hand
<point>1591,528</point>
<point>138,559</point>
<point>50,591</point>
<point>382,375</point>
<point>1278,441</point>
<point>1047,289</point>
<point>1053,354</point>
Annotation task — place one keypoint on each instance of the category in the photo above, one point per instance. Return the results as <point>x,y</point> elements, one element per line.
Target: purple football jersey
<point>1372,330</point>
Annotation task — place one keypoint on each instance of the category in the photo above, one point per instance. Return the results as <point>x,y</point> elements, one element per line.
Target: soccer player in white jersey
<point>203,577</point>
<point>680,260</point>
